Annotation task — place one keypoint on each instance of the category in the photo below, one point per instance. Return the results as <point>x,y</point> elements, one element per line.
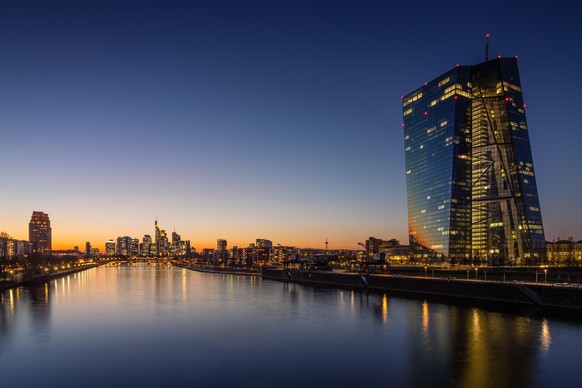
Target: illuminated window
<point>412,99</point>
<point>445,81</point>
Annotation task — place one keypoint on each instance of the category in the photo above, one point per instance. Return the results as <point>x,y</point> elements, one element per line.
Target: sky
<point>257,119</point>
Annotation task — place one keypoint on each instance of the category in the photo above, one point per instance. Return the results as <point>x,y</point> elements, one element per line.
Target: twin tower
<point>470,179</point>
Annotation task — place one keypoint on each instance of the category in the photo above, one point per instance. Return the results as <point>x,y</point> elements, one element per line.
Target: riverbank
<point>48,277</point>
<point>226,271</point>
<point>517,293</point>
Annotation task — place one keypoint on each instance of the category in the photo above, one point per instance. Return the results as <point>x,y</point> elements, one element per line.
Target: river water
<point>144,326</point>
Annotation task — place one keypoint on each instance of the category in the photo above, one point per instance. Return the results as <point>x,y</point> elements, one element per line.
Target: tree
<point>4,238</point>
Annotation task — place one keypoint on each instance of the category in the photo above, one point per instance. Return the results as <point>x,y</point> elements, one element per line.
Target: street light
<point>545,275</point>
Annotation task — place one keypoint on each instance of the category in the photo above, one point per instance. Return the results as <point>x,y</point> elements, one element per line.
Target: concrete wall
<point>507,292</point>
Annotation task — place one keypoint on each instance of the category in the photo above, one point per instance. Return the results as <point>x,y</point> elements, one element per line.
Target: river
<point>148,326</point>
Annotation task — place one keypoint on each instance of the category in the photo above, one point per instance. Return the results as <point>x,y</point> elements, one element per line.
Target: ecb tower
<point>470,179</point>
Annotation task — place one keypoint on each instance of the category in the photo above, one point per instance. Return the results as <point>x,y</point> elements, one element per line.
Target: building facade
<point>471,186</point>
<point>110,248</point>
<point>40,233</point>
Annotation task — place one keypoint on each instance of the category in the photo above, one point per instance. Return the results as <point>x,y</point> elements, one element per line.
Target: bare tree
<point>4,238</point>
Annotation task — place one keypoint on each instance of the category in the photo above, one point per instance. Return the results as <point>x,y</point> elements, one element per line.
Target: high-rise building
<point>134,247</point>
<point>221,245</point>
<point>123,246</point>
<point>145,246</point>
<point>163,243</point>
<point>39,233</point>
<point>176,238</point>
<point>109,247</point>
<point>470,180</point>
<point>264,243</point>
<point>157,236</point>
<point>88,248</point>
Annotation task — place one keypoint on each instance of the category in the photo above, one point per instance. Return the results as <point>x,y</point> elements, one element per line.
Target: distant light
<point>487,36</point>
<point>516,57</point>
<point>457,65</point>
<point>401,97</point>
<point>456,97</point>
<point>425,113</point>
<point>506,98</point>
<point>524,105</point>
<point>499,57</point>
<point>403,124</point>
<point>426,83</point>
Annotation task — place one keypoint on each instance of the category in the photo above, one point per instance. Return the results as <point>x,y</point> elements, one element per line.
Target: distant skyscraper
<point>109,247</point>
<point>39,233</point>
<point>123,246</point>
<point>157,236</point>
<point>145,247</point>
<point>221,245</point>
<point>163,243</point>
<point>88,248</point>
<point>176,238</point>
<point>470,178</point>
<point>134,247</point>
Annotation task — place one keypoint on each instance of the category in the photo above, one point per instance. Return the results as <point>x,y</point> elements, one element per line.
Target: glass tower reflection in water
<point>470,178</point>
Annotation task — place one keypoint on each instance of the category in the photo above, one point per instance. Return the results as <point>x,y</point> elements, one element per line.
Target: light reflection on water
<point>160,326</point>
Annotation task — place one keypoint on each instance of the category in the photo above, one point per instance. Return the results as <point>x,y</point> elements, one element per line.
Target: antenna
<point>486,47</point>
<point>326,242</point>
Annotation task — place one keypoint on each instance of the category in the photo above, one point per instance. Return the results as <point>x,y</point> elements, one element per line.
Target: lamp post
<point>545,275</point>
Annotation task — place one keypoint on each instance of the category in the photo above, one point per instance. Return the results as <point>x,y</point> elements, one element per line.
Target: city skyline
<point>257,120</point>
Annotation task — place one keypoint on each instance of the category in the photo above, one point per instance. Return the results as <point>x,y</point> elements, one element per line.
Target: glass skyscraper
<point>470,180</point>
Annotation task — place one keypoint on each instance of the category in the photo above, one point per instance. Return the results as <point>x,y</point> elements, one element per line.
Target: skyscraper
<point>221,244</point>
<point>39,233</point>
<point>470,180</point>
<point>110,247</point>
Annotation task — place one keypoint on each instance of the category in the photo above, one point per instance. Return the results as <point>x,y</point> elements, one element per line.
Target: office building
<point>110,248</point>
<point>39,233</point>
<point>471,186</point>
<point>221,245</point>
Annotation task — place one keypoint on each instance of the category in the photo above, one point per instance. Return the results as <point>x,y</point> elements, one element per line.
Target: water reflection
<point>385,309</point>
<point>124,318</point>
<point>545,337</point>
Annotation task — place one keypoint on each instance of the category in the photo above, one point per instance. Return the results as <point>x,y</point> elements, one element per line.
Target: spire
<point>486,47</point>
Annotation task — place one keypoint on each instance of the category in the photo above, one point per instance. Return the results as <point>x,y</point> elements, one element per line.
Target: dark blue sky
<point>246,119</point>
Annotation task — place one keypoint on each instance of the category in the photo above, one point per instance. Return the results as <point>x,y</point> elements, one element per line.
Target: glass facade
<point>471,186</point>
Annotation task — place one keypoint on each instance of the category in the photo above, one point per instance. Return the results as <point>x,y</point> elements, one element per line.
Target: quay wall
<point>226,271</point>
<point>48,277</point>
<point>519,293</point>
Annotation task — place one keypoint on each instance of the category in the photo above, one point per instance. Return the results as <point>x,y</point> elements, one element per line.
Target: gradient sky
<point>257,119</point>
